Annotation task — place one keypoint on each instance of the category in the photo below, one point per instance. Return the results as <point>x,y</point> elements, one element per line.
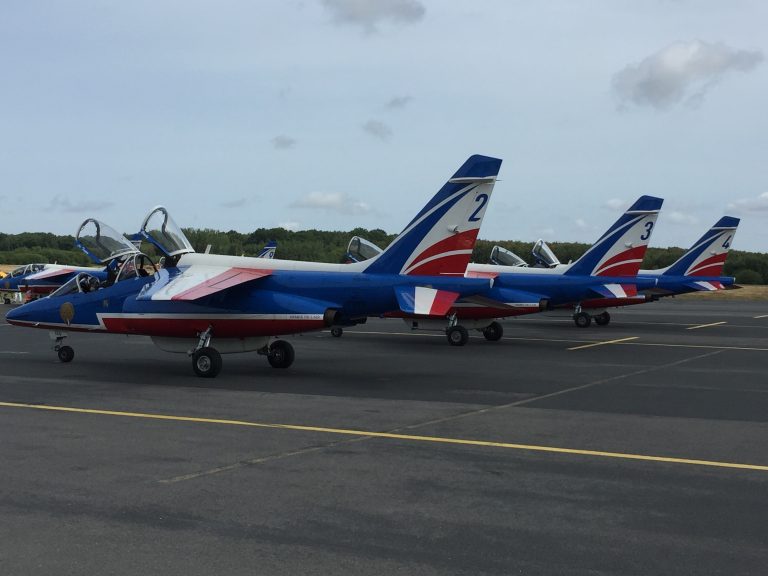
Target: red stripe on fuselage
<point>222,328</point>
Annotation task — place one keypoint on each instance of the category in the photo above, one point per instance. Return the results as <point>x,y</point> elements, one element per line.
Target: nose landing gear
<point>65,353</point>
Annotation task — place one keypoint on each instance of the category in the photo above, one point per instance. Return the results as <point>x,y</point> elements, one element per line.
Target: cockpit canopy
<point>503,257</point>
<point>136,266</point>
<point>544,256</point>
<point>82,284</point>
<point>360,249</point>
<point>102,243</point>
<point>161,230</point>
<point>28,269</point>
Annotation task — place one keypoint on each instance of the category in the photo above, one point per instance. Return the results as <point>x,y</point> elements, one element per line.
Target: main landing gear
<point>584,320</point>
<point>493,332</point>
<point>337,331</point>
<point>207,363</point>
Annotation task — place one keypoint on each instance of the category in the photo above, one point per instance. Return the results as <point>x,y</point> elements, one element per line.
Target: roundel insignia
<point>67,312</point>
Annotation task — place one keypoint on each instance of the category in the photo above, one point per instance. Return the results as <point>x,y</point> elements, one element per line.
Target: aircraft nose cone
<point>15,314</point>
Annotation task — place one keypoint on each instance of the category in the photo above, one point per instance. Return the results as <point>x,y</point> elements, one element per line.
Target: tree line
<point>330,246</point>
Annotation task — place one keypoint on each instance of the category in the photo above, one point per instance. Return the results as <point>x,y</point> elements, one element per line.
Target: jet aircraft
<point>240,303</point>
<point>608,270</point>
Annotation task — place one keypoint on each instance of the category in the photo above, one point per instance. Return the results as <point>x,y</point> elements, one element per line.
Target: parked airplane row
<point>206,305</point>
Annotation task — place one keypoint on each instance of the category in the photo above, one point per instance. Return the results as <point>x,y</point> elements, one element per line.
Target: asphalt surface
<point>545,453</point>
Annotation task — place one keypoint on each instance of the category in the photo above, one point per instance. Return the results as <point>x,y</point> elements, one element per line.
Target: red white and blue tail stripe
<point>440,239</point>
<point>620,251</point>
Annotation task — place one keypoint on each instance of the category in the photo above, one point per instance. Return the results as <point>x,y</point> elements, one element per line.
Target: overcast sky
<point>333,114</point>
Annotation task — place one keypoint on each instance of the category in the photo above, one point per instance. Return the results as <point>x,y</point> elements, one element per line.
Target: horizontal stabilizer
<point>510,299</point>
<point>199,281</point>
<point>616,290</point>
<point>423,301</point>
<point>706,286</point>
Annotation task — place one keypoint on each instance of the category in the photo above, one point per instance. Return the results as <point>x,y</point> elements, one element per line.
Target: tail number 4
<point>482,198</point>
<point>648,228</point>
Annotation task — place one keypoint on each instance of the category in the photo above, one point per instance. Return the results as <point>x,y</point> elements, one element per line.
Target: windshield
<point>101,242</point>
<point>503,257</point>
<point>160,229</point>
<point>544,255</point>
<point>360,249</point>
<point>80,284</point>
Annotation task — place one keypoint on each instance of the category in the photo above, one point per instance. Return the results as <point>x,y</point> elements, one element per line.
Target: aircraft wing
<point>615,290</point>
<point>420,300</point>
<point>199,281</point>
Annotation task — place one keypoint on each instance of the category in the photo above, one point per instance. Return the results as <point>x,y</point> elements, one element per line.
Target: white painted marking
<point>706,325</point>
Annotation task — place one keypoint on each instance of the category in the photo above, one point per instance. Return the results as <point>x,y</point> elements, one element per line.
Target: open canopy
<point>544,255</point>
<point>160,230</point>
<point>101,242</point>
<point>503,257</point>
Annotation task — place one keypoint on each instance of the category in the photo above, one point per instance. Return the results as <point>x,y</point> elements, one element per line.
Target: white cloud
<point>378,130</point>
<point>368,14</point>
<point>615,204</point>
<point>283,142</point>
<point>292,226</point>
<point>546,232</point>
<point>581,224</point>
<point>676,217</point>
<point>399,102</point>
<point>332,202</point>
<point>681,72</point>
<point>745,205</point>
<point>61,203</point>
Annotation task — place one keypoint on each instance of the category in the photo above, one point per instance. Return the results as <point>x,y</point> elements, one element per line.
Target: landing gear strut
<point>206,361</point>
<point>65,353</point>
<point>582,319</point>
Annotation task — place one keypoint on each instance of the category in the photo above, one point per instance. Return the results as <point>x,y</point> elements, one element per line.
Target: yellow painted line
<point>392,436</point>
<point>604,342</point>
<point>706,325</point>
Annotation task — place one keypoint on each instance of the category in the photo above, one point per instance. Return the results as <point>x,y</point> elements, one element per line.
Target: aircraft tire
<point>603,319</point>
<point>66,354</point>
<point>582,320</point>
<point>206,362</point>
<point>493,332</point>
<point>457,335</point>
<point>337,331</point>
<point>280,354</point>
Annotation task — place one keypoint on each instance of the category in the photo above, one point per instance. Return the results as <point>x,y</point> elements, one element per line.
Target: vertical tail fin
<point>269,250</point>
<point>620,251</point>
<point>440,239</point>
<point>707,256</point>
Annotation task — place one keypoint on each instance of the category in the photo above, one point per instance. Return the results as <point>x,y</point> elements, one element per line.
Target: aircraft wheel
<point>206,362</point>
<point>280,354</point>
<point>603,319</point>
<point>66,354</point>
<point>337,331</point>
<point>457,335</point>
<point>493,332</point>
<point>582,319</point>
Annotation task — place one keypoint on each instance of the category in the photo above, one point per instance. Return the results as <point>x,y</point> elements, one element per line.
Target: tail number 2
<point>482,198</point>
